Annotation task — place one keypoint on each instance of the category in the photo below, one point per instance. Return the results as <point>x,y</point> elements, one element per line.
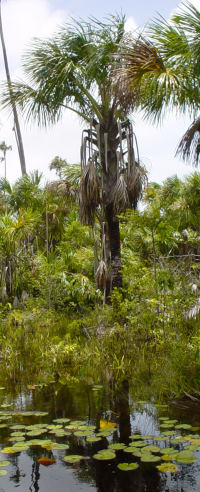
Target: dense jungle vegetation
<point>100,290</point>
<point>54,323</point>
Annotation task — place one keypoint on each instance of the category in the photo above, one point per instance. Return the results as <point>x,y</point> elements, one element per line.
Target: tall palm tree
<point>74,71</point>
<point>162,65</point>
<point>17,129</point>
<point>4,149</point>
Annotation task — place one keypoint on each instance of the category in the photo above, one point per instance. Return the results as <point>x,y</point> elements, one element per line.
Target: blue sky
<point>141,10</point>
<point>25,19</point>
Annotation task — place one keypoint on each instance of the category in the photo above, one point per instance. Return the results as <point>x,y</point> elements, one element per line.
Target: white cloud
<point>130,24</point>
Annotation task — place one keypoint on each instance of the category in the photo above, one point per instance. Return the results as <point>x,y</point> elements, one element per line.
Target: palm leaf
<point>189,146</point>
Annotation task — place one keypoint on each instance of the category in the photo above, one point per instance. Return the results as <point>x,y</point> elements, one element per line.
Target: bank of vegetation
<point>93,287</point>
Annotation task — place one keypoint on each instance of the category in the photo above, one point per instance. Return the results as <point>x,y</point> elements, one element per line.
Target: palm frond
<point>136,183</point>
<point>101,275</point>
<point>120,195</point>
<point>89,194</point>
<point>189,146</point>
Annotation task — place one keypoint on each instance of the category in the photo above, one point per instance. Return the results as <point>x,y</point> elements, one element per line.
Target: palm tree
<point>74,71</point>
<point>163,68</point>
<point>4,148</point>
<point>16,120</point>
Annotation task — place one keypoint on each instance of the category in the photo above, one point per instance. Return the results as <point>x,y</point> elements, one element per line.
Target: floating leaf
<point>46,461</point>
<point>167,467</point>
<point>138,444</point>
<point>3,472</point>
<point>167,457</point>
<point>4,463</point>
<point>150,458</point>
<point>168,451</point>
<point>83,433</point>
<point>73,458</point>
<point>166,426</point>
<point>135,436</point>
<point>3,426</point>
<point>93,439</point>
<point>186,461</point>
<point>153,449</point>
<point>8,450</point>
<point>117,446</point>
<point>127,466</point>
<point>183,426</point>
<point>130,449</point>
<point>136,452</point>
<point>105,455</point>
<point>104,434</point>
<point>169,433</point>
<point>160,438</point>
<point>17,427</point>
<point>61,421</point>
<point>36,432</point>
<point>17,434</point>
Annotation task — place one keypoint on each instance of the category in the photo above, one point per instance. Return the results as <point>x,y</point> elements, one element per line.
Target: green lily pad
<point>136,452</point>
<point>153,449</point>
<point>104,455</point>
<point>186,461</point>
<point>17,434</point>
<point>160,438</point>
<point>61,421</point>
<point>168,457</point>
<point>82,433</point>
<point>103,434</point>
<point>117,446</point>
<point>183,426</point>
<point>127,466</point>
<point>135,436</point>
<point>185,454</point>
<point>166,426</point>
<point>167,467</point>
<point>38,432</point>
<point>150,458</point>
<point>4,463</point>
<point>130,449</point>
<point>73,458</point>
<point>3,426</point>
<point>138,444</point>
<point>168,451</point>
<point>3,472</point>
<point>169,433</point>
<point>38,442</point>
<point>17,439</point>
<point>93,439</point>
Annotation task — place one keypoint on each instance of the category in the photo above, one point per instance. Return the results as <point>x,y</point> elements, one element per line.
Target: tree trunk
<point>109,178</point>
<point>115,248</point>
<point>16,120</point>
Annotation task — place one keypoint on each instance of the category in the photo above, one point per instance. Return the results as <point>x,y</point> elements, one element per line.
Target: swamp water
<point>81,438</point>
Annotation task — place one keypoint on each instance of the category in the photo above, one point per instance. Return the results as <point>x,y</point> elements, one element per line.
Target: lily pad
<point>105,455</point>
<point>83,433</point>
<point>103,434</point>
<point>127,466</point>
<point>46,461</point>
<point>183,426</point>
<point>135,436</point>
<point>153,449</point>
<point>61,421</point>
<point>3,472</point>
<point>4,463</point>
<point>150,458</point>
<point>117,446</point>
<point>73,458</point>
<point>166,426</point>
<point>160,438</point>
<point>169,433</point>
<point>167,467</point>
<point>138,444</point>
<point>136,452</point>
<point>93,439</point>
<point>130,449</point>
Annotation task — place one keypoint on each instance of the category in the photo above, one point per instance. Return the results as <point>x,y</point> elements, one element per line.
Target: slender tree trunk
<point>16,120</point>
<point>109,176</point>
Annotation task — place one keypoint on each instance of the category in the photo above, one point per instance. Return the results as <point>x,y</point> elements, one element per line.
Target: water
<point>93,406</point>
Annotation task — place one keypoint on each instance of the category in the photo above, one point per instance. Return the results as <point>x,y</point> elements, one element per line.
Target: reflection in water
<point>80,402</point>
<point>35,476</point>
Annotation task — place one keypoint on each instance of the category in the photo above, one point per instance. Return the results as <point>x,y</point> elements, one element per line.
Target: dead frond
<point>135,58</point>
<point>120,195</point>
<point>189,146</point>
<point>136,182</point>
<point>89,194</point>
<point>101,275</point>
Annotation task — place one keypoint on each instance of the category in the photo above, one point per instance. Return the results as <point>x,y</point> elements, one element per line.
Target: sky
<point>25,19</point>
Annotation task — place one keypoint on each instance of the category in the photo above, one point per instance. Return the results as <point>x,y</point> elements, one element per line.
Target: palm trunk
<point>16,120</point>
<point>109,176</point>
